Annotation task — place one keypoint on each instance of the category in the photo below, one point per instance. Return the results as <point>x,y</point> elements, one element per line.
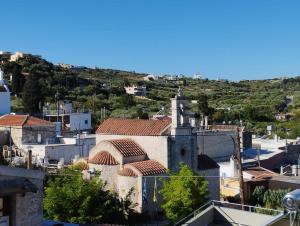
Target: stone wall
<point>183,149</point>
<point>4,138</point>
<point>27,209</point>
<point>30,134</point>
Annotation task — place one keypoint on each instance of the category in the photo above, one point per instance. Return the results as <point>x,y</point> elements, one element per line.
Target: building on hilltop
<point>18,55</point>
<point>136,90</point>
<point>131,152</point>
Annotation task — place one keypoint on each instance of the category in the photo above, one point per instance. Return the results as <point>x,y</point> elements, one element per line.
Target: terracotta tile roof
<point>23,120</point>
<point>127,147</point>
<point>149,167</point>
<point>140,127</point>
<point>103,158</point>
<point>259,173</point>
<point>126,172</point>
<point>206,163</point>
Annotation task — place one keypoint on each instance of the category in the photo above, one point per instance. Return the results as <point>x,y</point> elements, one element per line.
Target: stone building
<point>130,153</point>
<point>21,197</point>
<point>26,129</point>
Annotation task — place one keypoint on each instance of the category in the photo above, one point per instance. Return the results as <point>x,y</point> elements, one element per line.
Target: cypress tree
<point>16,79</point>
<point>31,95</point>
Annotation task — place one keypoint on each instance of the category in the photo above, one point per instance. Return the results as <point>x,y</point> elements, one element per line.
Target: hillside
<point>255,102</point>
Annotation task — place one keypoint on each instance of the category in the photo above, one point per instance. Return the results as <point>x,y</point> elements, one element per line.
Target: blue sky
<point>233,39</point>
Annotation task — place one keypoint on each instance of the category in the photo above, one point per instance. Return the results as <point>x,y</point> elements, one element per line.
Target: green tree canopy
<point>70,198</point>
<point>182,193</point>
<point>202,105</point>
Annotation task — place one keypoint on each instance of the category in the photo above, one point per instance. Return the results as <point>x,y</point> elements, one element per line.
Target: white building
<point>197,76</point>
<point>136,90</point>
<point>70,119</point>
<point>4,96</point>
<point>18,55</point>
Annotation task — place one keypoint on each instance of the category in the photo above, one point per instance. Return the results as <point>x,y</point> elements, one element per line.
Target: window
<point>86,121</point>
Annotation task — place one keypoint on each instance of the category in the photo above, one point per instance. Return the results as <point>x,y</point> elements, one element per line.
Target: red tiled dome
<point>103,158</point>
<point>127,147</point>
<point>126,172</point>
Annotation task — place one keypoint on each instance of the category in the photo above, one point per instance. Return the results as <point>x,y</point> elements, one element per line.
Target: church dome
<point>103,158</point>
<point>126,172</point>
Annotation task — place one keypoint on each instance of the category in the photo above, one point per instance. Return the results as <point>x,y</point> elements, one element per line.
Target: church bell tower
<point>180,115</point>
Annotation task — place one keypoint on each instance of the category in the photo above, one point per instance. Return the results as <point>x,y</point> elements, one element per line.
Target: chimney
<point>29,162</point>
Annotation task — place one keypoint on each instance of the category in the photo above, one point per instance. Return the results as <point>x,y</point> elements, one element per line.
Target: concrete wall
<point>67,152</point>
<point>5,103</point>
<point>213,182</point>
<point>204,218</point>
<point>218,146</point>
<point>28,209</point>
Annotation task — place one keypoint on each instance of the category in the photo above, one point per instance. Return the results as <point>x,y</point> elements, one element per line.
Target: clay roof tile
<point>127,147</point>
<point>149,167</point>
<point>103,158</point>
<point>139,127</point>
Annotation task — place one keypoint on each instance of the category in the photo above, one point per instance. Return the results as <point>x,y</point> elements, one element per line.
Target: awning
<point>14,186</point>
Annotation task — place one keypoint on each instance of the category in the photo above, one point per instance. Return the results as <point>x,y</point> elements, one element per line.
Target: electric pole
<point>10,147</point>
<point>240,168</point>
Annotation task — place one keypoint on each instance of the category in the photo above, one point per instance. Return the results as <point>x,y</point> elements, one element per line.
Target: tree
<point>70,198</point>
<point>141,114</point>
<point>16,83</point>
<point>183,193</point>
<point>202,105</point>
<point>31,95</point>
<point>127,101</point>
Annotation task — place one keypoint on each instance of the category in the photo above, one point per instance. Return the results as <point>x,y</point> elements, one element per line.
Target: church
<point>133,153</point>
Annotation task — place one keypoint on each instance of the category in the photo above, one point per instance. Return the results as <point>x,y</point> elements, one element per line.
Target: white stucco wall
<point>67,152</point>
<point>156,147</point>
<point>80,121</point>
<point>125,184</point>
<point>57,151</point>
<point>108,174</point>
<point>4,103</point>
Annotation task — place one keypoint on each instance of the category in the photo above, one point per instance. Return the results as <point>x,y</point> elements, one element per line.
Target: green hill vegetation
<point>35,81</point>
